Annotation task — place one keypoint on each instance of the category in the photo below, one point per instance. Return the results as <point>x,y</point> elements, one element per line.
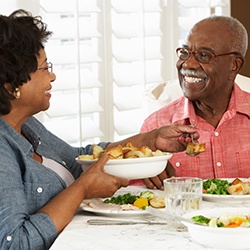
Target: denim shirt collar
<point>24,144</point>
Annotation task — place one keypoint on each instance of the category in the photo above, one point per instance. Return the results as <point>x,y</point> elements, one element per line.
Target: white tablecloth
<point>80,235</point>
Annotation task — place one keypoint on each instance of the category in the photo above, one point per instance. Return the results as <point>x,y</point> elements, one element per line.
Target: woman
<point>41,184</point>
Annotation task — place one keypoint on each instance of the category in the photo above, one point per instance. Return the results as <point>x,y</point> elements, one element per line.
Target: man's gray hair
<point>239,35</point>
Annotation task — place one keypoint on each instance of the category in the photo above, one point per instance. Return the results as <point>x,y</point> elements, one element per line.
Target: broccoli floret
<point>216,186</point>
<point>201,219</point>
<point>220,224</point>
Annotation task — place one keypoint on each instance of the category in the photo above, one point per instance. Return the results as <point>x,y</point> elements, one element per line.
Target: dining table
<point>79,234</point>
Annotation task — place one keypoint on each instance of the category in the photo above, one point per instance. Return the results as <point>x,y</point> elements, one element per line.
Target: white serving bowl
<point>222,238</point>
<point>133,168</point>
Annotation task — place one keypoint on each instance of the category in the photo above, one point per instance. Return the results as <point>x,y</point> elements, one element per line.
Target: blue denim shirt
<point>26,185</point>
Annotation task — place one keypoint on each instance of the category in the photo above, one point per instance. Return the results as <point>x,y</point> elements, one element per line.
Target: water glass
<point>182,194</point>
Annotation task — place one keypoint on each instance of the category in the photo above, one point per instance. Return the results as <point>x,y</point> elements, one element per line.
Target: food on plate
<point>147,194</point>
<point>135,200</point>
<point>224,187</point>
<point>226,220</point>
<point>238,187</point>
<point>97,203</point>
<point>215,186</point>
<point>157,201</point>
<point>201,219</point>
<point>195,148</point>
<point>119,152</point>
<point>127,198</point>
<point>140,201</point>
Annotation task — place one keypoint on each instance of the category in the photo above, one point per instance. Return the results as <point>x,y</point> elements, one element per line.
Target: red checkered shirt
<point>227,146</point>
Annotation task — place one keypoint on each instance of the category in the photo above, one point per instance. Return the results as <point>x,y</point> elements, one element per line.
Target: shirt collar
<point>12,135</point>
<point>239,102</point>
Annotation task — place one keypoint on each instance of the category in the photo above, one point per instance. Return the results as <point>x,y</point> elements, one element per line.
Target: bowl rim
<point>216,211</point>
<point>159,158</point>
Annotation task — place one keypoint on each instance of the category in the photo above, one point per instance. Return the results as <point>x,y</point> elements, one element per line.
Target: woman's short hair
<point>21,38</point>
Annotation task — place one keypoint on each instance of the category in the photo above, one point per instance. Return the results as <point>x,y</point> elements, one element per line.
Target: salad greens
<point>216,186</point>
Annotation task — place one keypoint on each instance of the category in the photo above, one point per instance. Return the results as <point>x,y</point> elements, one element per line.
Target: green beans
<point>127,198</point>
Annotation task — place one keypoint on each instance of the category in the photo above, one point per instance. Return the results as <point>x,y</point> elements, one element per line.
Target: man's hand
<point>157,181</point>
<point>174,138</point>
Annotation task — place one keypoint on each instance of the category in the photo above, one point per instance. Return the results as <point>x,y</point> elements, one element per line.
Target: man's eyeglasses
<point>49,67</point>
<point>201,56</point>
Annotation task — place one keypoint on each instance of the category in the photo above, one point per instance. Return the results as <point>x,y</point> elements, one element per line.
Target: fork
<point>122,222</point>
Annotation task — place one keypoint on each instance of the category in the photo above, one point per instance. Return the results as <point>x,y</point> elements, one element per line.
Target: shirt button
<point>9,238</point>
<point>177,164</point>
<point>218,164</point>
<point>216,133</point>
<point>39,190</point>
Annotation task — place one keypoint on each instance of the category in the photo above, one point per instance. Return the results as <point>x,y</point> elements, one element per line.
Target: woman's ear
<point>9,88</point>
<point>12,92</point>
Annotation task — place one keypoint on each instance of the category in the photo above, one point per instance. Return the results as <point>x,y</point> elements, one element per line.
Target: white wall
<point>8,6</point>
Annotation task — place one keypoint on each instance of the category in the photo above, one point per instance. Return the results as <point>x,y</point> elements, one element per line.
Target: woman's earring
<point>17,93</point>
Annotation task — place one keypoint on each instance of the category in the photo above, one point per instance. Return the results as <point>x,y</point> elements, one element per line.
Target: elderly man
<point>207,65</point>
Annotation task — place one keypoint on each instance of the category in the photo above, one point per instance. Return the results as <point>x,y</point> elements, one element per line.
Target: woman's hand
<point>97,183</point>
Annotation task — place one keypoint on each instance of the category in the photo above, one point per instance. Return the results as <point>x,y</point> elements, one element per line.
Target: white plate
<point>133,168</point>
<point>113,212</point>
<point>134,190</point>
<point>227,198</point>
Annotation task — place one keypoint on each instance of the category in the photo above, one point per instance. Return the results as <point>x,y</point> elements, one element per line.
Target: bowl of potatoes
<point>128,161</point>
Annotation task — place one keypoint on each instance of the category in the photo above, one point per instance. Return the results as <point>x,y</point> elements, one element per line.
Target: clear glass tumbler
<point>182,194</point>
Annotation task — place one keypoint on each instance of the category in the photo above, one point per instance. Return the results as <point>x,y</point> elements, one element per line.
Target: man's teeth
<point>47,92</point>
<point>192,79</point>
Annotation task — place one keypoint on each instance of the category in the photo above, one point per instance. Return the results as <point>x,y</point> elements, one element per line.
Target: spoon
<point>165,215</point>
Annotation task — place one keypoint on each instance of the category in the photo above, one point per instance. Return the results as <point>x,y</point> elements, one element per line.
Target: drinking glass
<point>182,195</point>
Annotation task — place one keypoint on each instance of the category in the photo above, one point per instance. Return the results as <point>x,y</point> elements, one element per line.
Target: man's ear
<point>237,64</point>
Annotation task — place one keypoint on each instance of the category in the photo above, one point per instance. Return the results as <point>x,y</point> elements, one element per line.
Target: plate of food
<point>126,204</point>
<point>128,161</point>
<point>226,190</point>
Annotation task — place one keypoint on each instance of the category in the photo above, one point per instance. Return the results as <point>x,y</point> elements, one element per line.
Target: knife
<point>122,222</point>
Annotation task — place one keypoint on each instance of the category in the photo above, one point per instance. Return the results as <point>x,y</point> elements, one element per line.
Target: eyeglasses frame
<point>49,66</point>
<point>212,55</point>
